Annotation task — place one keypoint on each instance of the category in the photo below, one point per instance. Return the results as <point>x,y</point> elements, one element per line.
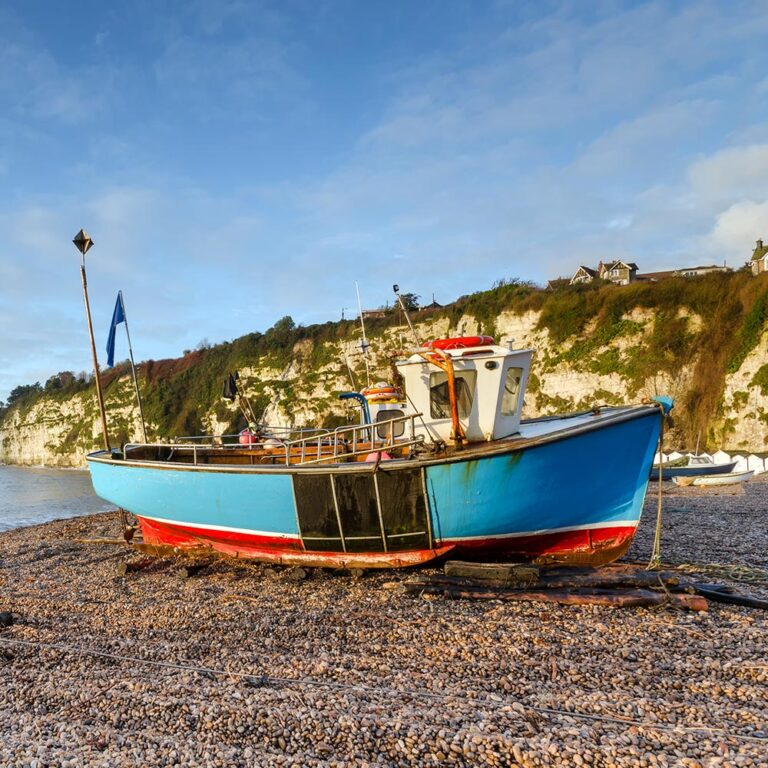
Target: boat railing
<point>356,440</point>
<point>266,432</point>
<point>311,447</point>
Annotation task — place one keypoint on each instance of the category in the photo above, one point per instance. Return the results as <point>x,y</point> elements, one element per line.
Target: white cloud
<point>732,173</point>
<point>736,229</point>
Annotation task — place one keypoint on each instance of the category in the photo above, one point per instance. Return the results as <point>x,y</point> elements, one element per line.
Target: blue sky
<point>239,161</point>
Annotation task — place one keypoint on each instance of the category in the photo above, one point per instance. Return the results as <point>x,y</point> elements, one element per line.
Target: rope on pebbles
<point>744,574</point>
<point>493,699</point>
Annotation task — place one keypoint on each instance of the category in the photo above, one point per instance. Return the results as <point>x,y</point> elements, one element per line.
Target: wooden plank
<point>102,540</point>
<point>503,574</point>
<point>575,580</point>
<point>618,598</point>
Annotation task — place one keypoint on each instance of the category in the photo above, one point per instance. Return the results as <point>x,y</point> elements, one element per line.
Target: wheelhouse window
<point>511,389</point>
<point>439,400</point>
<point>384,430</point>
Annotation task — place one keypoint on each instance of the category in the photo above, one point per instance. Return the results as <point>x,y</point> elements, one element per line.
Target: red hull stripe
<point>583,543</point>
<point>560,543</point>
<point>166,531</point>
<point>278,550</point>
<point>224,529</point>
<point>549,531</point>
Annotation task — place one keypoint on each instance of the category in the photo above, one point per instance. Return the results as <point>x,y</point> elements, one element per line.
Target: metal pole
<point>133,368</point>
<point>364,345</point>
<point>99,396</point>
<point>396,289</point>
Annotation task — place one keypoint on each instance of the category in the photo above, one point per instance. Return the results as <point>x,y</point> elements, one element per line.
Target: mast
<point>396,289</point>
<point>83,243</point>
<point>133,368</point>
<point>364,343</point>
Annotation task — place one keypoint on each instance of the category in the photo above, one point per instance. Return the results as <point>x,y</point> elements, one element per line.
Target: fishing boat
<point>447,467</point>
<point>694,466</point>
<point>726,478</point>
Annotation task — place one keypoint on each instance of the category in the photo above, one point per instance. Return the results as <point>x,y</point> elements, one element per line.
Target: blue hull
<point>571,494</point>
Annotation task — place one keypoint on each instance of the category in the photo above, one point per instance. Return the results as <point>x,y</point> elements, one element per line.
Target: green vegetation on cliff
<point>645,333</point>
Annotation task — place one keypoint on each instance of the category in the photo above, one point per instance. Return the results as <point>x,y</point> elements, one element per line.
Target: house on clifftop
<point>617,272</point>
<point>759,260</point>
<point>625,272</point>
<point>584,275</point>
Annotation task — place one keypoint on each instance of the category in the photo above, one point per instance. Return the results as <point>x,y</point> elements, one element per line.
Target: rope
<point>745,574</point>
<point>390,692</point>
<point>655,561</point>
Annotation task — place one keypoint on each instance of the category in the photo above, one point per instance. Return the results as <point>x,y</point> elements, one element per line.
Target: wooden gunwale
<point>472,452</point>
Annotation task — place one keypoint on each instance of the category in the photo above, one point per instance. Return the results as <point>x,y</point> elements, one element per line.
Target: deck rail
<point>348,441</point>
<point>313,446</point>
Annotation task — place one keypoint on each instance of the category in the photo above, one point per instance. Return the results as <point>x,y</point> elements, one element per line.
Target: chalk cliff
<point>703,341</point>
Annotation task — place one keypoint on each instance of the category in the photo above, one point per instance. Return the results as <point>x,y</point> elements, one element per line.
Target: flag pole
<point>133,369</point>
<point>83,243</point>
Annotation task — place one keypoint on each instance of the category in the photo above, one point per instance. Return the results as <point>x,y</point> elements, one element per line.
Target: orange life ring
<point>381,392</point>
<point>459,342</point>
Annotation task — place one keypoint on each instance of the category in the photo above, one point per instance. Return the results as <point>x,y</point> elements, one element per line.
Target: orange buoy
<point>374,456</point>
<point>246,437</point>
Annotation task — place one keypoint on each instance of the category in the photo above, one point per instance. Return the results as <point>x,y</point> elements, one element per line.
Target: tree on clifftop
<point>410,301</point>
<point>22,391</point>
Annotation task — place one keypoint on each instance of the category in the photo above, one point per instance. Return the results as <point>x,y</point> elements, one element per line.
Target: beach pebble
<point>240,666</point>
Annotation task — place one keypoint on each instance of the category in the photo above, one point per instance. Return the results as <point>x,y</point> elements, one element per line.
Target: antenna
<point>364,343</point>
<point>396,289</point>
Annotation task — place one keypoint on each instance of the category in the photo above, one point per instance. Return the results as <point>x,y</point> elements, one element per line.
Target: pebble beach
<point>246,665</point>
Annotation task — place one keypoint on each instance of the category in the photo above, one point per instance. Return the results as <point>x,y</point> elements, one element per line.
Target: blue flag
<point>118,316</point>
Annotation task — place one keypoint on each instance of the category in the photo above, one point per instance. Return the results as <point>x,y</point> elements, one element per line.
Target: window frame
<point>520,372</point>
<point>469,393</point>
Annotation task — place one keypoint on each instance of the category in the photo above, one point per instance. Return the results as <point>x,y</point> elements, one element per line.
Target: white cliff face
<point>745,403</point>
<point>574,375</point>
<point>58,432</point>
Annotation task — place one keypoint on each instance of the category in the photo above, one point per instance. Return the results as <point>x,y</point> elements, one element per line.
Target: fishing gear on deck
<point>233,393</point>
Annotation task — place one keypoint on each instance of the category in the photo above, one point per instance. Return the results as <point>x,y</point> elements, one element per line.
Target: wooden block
<point>497,573</point>
<point>131,566</point>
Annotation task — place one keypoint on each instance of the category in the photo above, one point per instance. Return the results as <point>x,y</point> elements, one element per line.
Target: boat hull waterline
<point>574,493</point>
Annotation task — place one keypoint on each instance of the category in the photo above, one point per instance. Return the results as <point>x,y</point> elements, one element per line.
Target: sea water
<point>35,495</point>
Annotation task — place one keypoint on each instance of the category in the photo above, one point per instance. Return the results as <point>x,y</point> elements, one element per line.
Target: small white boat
<point>694,466</point>
<point>727,478</point>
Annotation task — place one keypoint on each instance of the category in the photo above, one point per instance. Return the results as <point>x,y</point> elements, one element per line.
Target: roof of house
<point>760,251</point>
<point>657,275</point>
<point>619,262</point>
<point>678,272</point>
<point>588,270</point>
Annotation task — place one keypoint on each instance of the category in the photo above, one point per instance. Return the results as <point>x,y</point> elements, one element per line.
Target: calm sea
<point>29,496</point>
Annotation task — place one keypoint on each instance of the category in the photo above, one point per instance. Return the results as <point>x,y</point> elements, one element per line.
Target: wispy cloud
<point>236,162</point>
